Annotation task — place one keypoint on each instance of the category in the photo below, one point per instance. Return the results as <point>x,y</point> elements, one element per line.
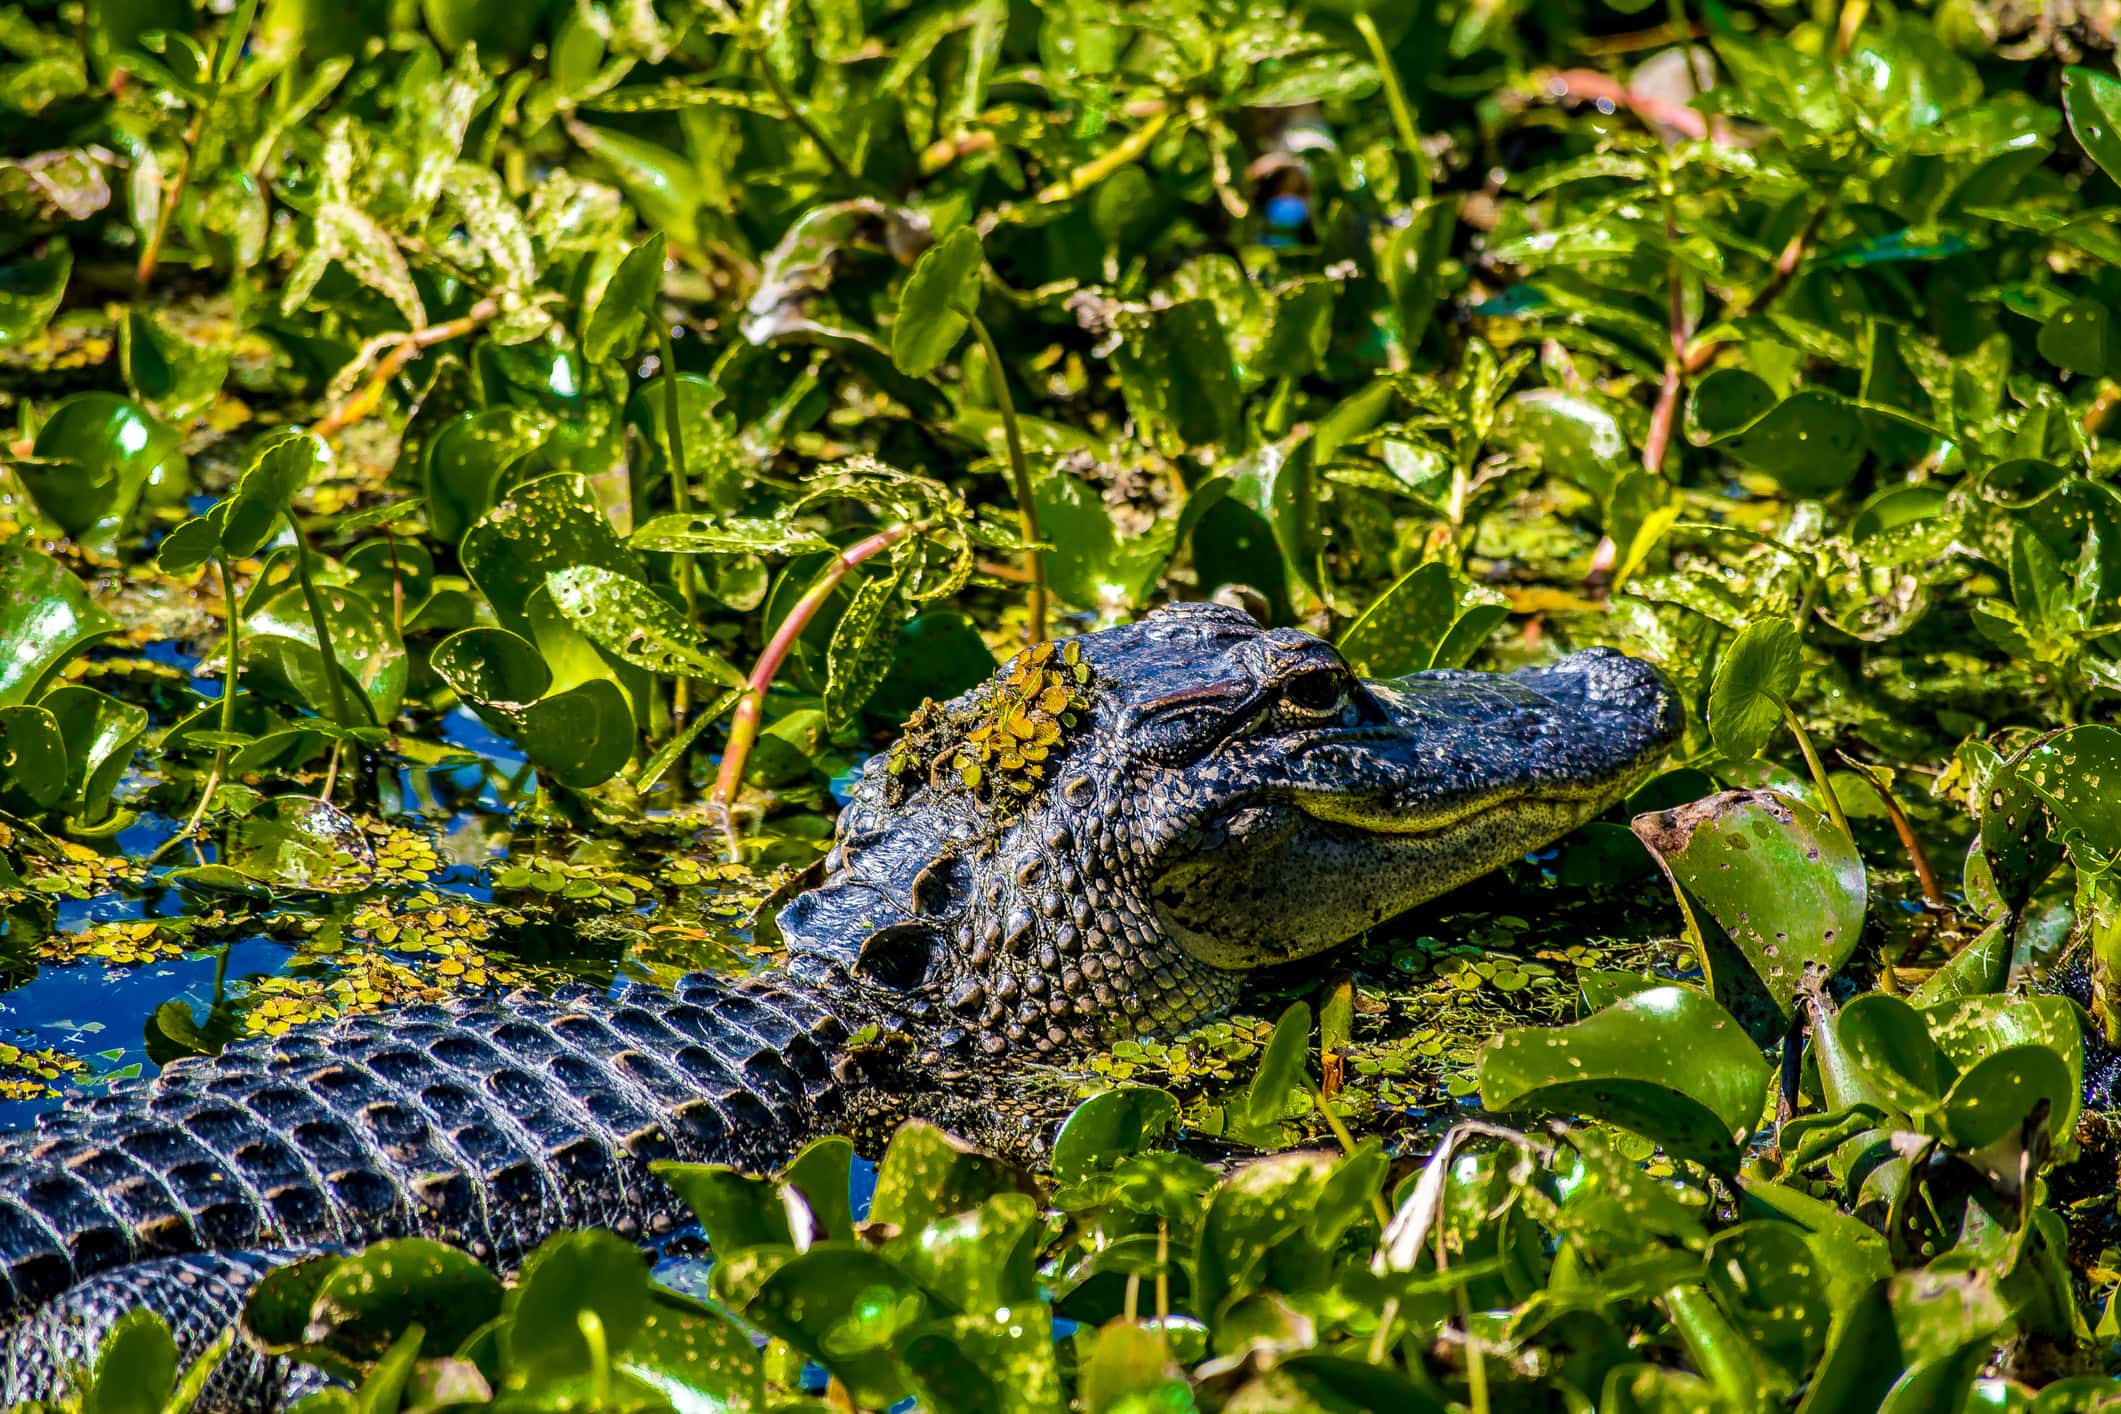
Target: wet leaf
<point>2092,101</point>
<point>628,619</point>
<point>1667,1063</point>
<point>1430,618</point>
<point>46,617</point>
<point>1756,677</point>
<point>281,655</point>
<point>30,291</point>
<point>862,644</point>
<point>1766,874</point>
<point>367,1302</point>
<point>598,1272</point>
<point>1108,1127</point>
<point>1811,442</point>
<point>33,765</point>
<point>940,299</point>
<point>582,735</point>
<point>297,843</point>
<point>100,733</point>
<point>94,459</point>
<point>539,528</point>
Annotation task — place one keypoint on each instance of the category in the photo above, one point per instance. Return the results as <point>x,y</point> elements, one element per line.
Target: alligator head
<point>1197,796</point>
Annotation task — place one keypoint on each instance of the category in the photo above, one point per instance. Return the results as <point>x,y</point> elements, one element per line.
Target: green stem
<point>219,772</point>
<point>751,707</point>
<point>218,72</point>
<point>801,119</point>
<point>1020,473</point>
<point>680,489</point>
<point>1396,100</point>
<point>315,601</point>
<point>1818,770</point>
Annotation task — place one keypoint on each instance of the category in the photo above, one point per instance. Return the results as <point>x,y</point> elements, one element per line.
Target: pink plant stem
<point>751,707</point>
<point>1590,86</point>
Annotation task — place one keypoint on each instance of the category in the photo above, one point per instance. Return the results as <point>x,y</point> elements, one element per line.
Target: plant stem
<point>680,489</point>
<point>316,619</point>
<point>1396,100</point>
<point>1119,155</point>
<point>404,349</point>
<point>1932,893</point>
<point>797,116</point>
<point>1818,770</point>
<point>1020,473</point>
<point>215,776</point>
<point>751,707</point>
<point>224,64</point>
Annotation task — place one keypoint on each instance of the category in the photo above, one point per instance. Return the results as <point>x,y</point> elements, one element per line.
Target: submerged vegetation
<point>477,476</point>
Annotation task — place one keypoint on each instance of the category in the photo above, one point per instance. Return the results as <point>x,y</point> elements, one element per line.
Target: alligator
<point>1097,843</point>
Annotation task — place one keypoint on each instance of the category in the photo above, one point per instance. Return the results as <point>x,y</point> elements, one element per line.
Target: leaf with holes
<point>629,620</point>
<point>862,644</point>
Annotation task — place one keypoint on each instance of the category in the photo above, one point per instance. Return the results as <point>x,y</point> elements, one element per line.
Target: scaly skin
<point>1219,797</point>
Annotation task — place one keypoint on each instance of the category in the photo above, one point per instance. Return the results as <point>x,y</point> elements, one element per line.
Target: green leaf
<point>93,460</point>
<point>574,1273</point>
<point>1757,675</point>
<point>176,378</point>
<point>2077,774</point>
<point>1282,1083</point>
<point>100,733</point>
<point>281,466</point>
<point>629,620</point>
<point>1109,1127</point>
<point>136,1367</point>
<point>1812,442</point>
<point>365,1304</point>
<point>1178,377</point>
<point>627,303</point>
<point>940,298</point>
<point>1667,1063</point>
<point>1764,874</point>
<point>543,526</point>
<point>684,1345</point>
<point>301,844</point>
<point>471,460</point>
<point>583,735</point>
<point>46,617</point>
<point>862,644</point>
<point>2081,338</point>
<point>2092,101</point>
<point>30,292</point>
<point>719,535</point>
<point>1429,618</point>
<point>33,767</point>
<point>927,1175</point>
<point>281,657</point>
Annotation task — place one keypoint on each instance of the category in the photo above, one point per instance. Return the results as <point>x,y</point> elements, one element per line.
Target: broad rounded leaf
<point>1667,1063</point>
<point>1770,875</point>
<point>367,1302</point>
<point>937,303</point>
<point>582,736</point>
<point>100,733</point>
<point>30,291</point>
<point>1109,1127</point>
<point>2093,102</point>
<point>2081,338</point>
<point>93,460</point>
<point>590,1271</point>
<point>1758,673</point>
<point>2077,774</point>
<point>46,617</point>
<point>32,760</point>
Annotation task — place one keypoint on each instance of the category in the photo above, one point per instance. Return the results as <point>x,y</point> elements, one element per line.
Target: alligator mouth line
<point>1402,827</point>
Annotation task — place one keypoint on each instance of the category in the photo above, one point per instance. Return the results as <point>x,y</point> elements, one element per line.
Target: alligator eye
<point>1317,690</point>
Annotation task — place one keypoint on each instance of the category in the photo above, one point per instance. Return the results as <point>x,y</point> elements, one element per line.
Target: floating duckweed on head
<point>999,752</point>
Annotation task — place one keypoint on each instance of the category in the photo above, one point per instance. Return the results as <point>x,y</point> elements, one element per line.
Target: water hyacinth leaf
<point>1979,968</point>
<point>847,1308</point>
<point>1767,874</point>
<point>1001,1361</point>
<point>629,620</point>
<point>552,523</point>
<point>100,733</point>
<point>281,656</point>
<point>32,760</point>
<point>582,736</point>
<point>687,1346</point>
<point>46,617</point>
<point>737,1211</point>
<point>2092,101</point>
<point>976,1262</point>
<point>1975,1030</point>
<point>176,378</point>
<point>622,311</point>
<point>1108,1127</point>
<point>592,1271</point>
<point>301,844</point>
<point>1252,1213</point>
<point>926,1174</point>
<point>719,535</point>
<point>1281,1085</point>
<point>1904,525</point>
<point>1759,672</point>
<point>1570,435</point>
<point>282,465</point>
<point>1667,1063</point>
<point>93,460</point>
<point>30,291</point>
<point>2077,774</point>
<point>1811,442</point>
<point>367,1302</point>
<point>136,1366</point>
<point>469,460</point>
<point>1091,564</point>
<point>2081,338</point>
<point>2003,1090</point>
<point>1413,263</point>
<point>1767,1281</point>
<point>937,304</point>
<point>717,465</point>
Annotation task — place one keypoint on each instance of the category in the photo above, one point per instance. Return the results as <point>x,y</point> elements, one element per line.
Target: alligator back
<point>490,1123</point>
